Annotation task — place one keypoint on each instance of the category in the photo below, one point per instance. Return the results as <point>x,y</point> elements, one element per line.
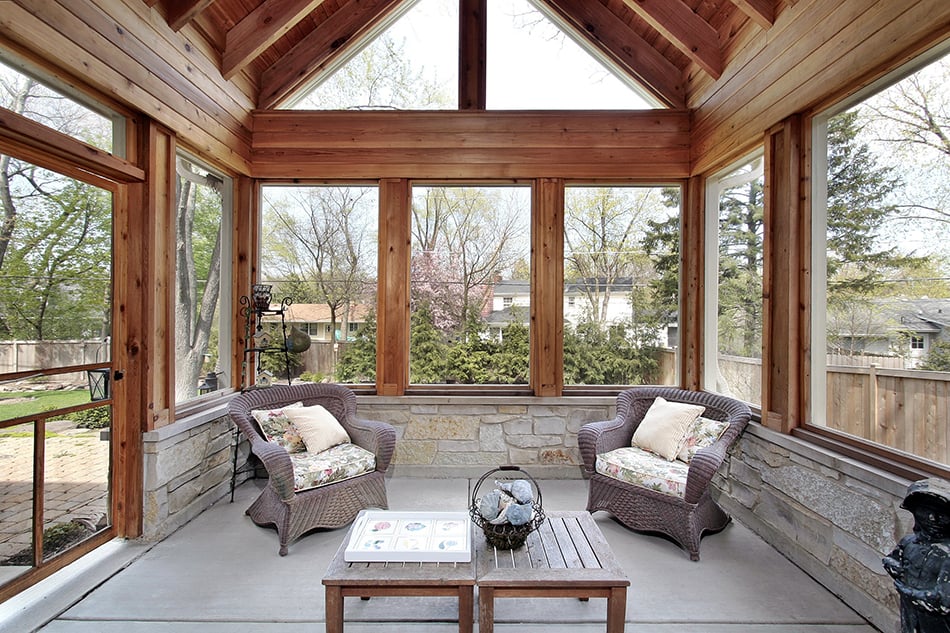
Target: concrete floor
<point>221,574</point>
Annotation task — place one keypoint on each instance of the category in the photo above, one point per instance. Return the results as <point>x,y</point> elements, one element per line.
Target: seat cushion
<point>340,462</point>
<point>642,468</point>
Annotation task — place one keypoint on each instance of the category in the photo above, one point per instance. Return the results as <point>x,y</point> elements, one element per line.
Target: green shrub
<point>97,418</point>
<point>312,376</point>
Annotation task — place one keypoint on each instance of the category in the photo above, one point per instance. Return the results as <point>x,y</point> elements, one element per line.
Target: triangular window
<point>532,64</point>
<point>411,65</point>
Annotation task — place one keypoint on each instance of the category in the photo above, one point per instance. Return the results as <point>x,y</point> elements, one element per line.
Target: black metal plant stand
<point>254,308</point>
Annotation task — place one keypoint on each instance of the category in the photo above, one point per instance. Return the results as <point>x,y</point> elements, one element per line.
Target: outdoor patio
<point>221,573</point>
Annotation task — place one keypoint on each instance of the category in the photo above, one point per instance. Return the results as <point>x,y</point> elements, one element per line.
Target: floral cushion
<point>334,464</point>
<point>277,427</point>
<point>642,468</point>
<point>704,432</point>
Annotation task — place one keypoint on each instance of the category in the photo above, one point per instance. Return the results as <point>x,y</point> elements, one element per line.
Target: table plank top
<point>567,549</point>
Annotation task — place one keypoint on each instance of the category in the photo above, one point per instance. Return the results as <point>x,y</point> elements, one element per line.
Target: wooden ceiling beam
<point>762,12</point>
<point>181,12</point>
<point>341,29</point>
<point>260,29</point>
<point>688,32</point>
<point>634,55</point>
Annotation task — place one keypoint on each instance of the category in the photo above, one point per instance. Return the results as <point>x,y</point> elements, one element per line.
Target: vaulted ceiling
<point>279,45</point>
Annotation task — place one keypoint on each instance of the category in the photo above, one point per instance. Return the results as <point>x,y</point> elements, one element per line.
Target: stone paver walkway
<point>76,486</point>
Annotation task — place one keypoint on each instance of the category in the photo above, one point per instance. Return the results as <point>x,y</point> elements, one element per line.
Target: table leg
<point>333,605</point>
<point>486,609</point>
<point>616,610</point>
<point>466,608</point>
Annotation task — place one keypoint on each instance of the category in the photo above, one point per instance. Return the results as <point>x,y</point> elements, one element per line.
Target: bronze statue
<point>920,564</point>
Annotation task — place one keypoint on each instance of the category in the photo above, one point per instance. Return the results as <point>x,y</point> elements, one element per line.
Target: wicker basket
<point>505,535</point>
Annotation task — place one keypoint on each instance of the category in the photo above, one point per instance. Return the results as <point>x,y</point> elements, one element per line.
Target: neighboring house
<point>510,300</point>
<point>905,328</point>
<point>314,319</point>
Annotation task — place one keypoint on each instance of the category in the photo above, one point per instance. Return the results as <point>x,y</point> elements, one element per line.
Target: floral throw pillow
<point>278,428</point>
<point>703,432</point>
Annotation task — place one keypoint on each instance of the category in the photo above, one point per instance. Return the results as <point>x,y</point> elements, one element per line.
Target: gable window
<point>413,65</point>
<point>879,264</point>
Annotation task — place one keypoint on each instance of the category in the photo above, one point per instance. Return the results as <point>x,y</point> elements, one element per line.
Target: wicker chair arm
<point>702,468</point>
<point>376,437</point>
<point>601,437</point>
<point>279,468</point>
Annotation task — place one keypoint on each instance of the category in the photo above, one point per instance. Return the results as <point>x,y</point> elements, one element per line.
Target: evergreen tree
<point>427,362</point>
<point>858,210</point>
<point>357,363</point>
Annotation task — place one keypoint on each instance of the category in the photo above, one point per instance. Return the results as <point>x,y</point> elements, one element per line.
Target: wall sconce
<point>98,384</point>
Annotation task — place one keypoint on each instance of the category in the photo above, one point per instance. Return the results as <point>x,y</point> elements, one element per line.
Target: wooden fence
<point>905,409</point>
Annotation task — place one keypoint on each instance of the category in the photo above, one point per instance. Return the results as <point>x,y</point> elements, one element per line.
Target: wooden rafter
<point>261,28</point>
<point>688,32</point>
<point>762,12</point>
<point>345,26</point>
<point>181,12</point>
<point>628,50</point>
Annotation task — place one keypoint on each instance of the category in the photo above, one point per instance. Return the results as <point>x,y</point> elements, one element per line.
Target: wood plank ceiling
<point>279,45</point>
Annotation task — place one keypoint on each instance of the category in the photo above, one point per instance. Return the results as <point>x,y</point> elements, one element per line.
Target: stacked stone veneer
<point>187,468</point>
<point>834,517</point>
<point>464,436</point>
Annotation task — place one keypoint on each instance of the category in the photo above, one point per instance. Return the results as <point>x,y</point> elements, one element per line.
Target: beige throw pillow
<point>663,429</point>
<point>318,428</point>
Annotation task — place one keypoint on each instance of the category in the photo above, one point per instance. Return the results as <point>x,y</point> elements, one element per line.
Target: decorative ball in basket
<point>509,508</point>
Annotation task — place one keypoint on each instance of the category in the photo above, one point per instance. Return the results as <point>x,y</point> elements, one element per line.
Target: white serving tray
<point>386,536</point>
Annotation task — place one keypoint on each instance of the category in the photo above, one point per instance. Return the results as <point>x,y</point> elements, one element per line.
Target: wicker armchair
<point>684,518</point>
<point>328,506</point>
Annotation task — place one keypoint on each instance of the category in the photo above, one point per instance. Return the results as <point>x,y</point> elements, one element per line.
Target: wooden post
<point>784,341</point>
<point>472,54</point>
<point>392,320</point>
<point>692,300</point>
<point>547,288</point>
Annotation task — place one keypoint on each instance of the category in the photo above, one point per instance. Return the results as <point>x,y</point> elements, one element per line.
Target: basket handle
<point>508,468</point>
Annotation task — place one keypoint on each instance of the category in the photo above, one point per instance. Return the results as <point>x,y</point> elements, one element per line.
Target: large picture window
<point>881,278</point>
<point>202,223</point>
<point>318,249</point>
<point>621,285</point>
<point>735,239</point>
<point>470,285</point>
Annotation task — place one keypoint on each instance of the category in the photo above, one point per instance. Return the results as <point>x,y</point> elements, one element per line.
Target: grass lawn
<point>17,404</point>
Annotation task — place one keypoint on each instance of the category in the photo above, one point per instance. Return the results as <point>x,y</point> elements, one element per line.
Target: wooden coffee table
<point>567,557</point>
<point>369,579</point>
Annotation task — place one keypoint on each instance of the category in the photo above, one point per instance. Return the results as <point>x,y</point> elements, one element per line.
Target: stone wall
<point>463,436</point>
<point>187,468</point>
<point>834,517</point>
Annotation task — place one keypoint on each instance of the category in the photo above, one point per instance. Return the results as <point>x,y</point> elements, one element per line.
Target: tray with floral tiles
<point>410,537</point>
